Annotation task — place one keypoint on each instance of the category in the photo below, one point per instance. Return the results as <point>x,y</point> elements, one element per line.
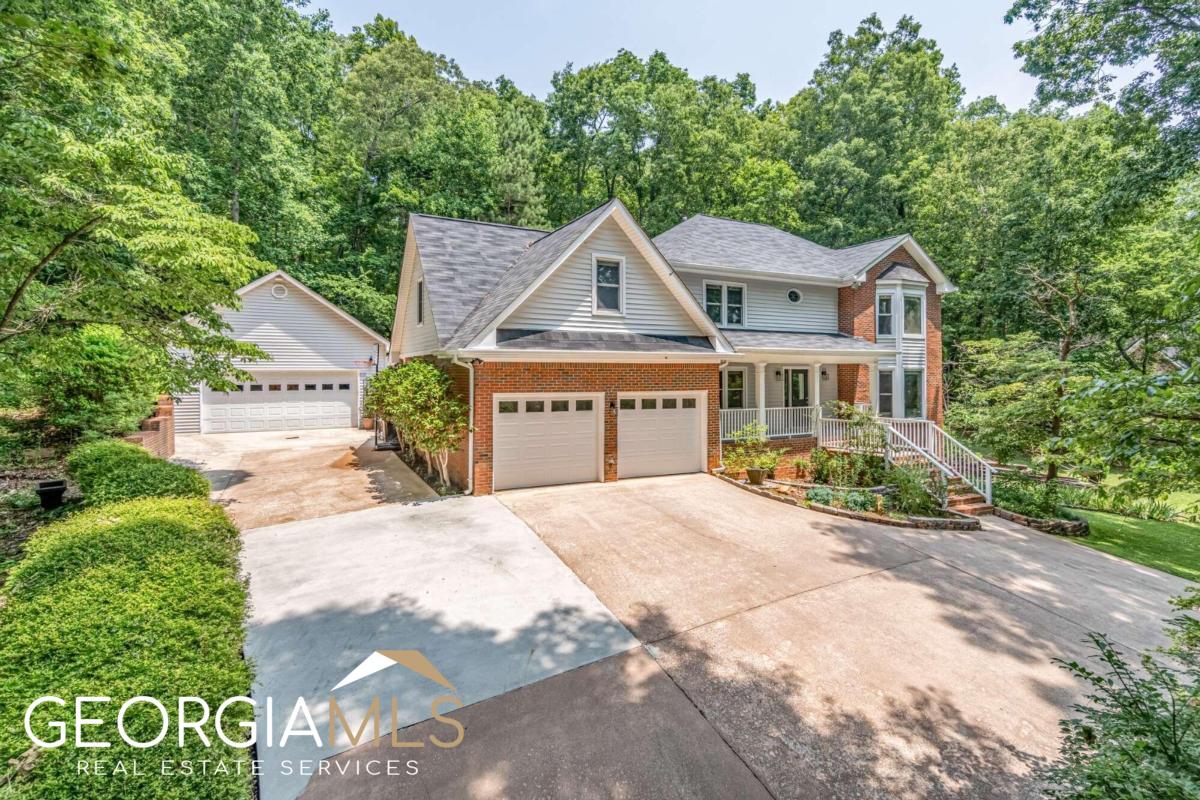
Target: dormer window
<point>608,285</point>
<point>725,303</point>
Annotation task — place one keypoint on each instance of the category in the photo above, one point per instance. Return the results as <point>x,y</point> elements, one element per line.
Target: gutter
<point>470,421</point>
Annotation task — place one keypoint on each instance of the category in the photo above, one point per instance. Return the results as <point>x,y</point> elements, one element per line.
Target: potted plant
<point>762,465</point>
<point>51,493</point>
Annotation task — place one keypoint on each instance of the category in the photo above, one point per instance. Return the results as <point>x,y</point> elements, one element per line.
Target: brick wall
<point>856,316</point>
<point>157,433</point>
<point>611,379</point>
<point>793,447</point>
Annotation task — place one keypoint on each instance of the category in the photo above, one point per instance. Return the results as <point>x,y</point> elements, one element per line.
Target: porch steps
<point>963,498</point>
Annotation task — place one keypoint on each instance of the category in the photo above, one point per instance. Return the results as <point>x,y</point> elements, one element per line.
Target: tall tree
<point>867,129</point>
<point>95,225</point>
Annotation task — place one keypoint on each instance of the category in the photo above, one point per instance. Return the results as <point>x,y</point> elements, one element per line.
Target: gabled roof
<point>462,261</point>
<point>718,243</point>
<point>899,272</point>
<point>527,267</point>
<point>286,278</point>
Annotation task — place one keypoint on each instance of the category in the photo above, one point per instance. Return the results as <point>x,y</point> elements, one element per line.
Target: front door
<point>795,389</point>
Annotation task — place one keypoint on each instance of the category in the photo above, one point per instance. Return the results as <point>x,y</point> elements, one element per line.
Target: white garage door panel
<point>660,435</point>
<point>284,409</point>
<point>536,445</point>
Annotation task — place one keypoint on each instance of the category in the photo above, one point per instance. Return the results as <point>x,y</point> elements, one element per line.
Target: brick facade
<point>856,316</point>
<point>611,379</point>
<point>157,432</point>
<point>793,447</point>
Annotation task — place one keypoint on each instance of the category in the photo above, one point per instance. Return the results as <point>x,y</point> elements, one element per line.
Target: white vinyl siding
<point>767,306</point>
<point>187,413</point>
<point>564,300</point>
<point>298,332</point>
<point>416,338</point>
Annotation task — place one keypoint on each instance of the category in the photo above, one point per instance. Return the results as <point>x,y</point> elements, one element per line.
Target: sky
<point>778,42</point>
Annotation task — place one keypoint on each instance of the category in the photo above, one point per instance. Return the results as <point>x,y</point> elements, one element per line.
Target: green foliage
<point>418,398</point>
<point>865,131</point>
<point>1078,48</point>
<point>110,471</point>
<point>847,469</point>
<point>136,598</point>
<point>94,381</point>
<point>861,501</point>
<point>1172,547</point>
<point>912,491</point>
<point>750,450</point>
<point>821,495</point>
<point>354,295</point>
<point>1137,735</point>
<point>23,499</point>
<point>1027,496</point>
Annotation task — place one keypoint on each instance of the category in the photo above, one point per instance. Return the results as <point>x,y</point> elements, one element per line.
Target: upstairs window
<point>725,303</point>
<point>883,315</point>
<point>420,302</point>
<point>914,315</point>
<point>608,293</point>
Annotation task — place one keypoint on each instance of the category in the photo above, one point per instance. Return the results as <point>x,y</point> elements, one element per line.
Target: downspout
<point>720,439</point>
<point>470,421</point>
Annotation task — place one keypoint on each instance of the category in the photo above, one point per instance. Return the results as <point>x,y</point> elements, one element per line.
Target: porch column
<point>760,390</point>
<point>873,383</point>
<point>816,394</point>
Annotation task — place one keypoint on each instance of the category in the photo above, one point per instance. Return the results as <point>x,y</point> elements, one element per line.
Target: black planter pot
<point>51,493</point>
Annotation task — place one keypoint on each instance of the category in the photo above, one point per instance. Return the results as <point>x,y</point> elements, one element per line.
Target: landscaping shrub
<point>861,501</point>
<point>750,448</point>
<point>110,471</point>
<point>819,494</point>
<point>94,381</point>
<point>912,491</point>
<point>135,598</point>
<point>1027,496</point>
<point>848,469</point>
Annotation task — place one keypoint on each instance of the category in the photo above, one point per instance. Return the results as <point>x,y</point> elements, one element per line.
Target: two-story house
<point>594,353</point>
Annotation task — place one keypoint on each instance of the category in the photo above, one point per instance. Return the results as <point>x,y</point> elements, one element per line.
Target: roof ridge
<point>480,222</point>
<point>869,241</point>
<point>570,222</point>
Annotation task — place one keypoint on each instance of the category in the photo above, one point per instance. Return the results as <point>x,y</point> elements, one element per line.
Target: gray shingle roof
<point>527,267</point>
<point>899,272</point>
<point>780,340</point>
<point>514,339</point>
<point>717,242</point>
<point>463,261</point>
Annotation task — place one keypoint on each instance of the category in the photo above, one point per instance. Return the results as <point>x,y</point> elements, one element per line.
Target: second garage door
<point>282,402</point>
<point>544,439</point>
<point>660,434</point>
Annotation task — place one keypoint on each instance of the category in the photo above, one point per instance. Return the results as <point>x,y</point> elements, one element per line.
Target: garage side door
<point>545,439</point>
<point>661,434</point>
<point>282,402</point>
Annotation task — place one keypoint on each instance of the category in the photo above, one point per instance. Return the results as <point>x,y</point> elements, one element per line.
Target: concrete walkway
<point>269,477</point>
<point>463,581</point>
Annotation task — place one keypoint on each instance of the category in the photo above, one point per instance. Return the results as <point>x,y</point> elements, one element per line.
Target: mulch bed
<point>784,493</point>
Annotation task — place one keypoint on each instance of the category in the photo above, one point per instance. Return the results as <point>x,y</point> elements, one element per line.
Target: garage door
<point>660,434</point>
<point>282,402</point>
<point>544,439</point>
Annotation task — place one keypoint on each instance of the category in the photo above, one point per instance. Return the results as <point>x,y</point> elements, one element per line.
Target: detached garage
<point>320,360</point>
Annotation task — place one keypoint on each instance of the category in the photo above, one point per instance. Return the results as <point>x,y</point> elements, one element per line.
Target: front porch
<point>786,396</point>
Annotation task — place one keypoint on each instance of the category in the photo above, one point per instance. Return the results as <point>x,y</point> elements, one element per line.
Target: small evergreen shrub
<point>110,471</point>
<point>860,501</point>
<point>134,598</point>
<point>912,491</point>
<point>820,495</point>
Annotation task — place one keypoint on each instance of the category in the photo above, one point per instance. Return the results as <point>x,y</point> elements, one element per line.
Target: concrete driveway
<point>269,477</point>
<point>841,659</point>
<point>462,581</point>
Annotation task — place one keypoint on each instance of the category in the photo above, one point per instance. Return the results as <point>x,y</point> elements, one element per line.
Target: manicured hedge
<point>128,599</point>
<point>110,471</point>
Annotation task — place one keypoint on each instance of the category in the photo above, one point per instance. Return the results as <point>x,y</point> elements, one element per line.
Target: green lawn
<point>1170,546</point>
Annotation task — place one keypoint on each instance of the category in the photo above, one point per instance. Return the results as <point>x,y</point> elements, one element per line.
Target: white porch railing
<point>909,440</point>
<point>780,422</point>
